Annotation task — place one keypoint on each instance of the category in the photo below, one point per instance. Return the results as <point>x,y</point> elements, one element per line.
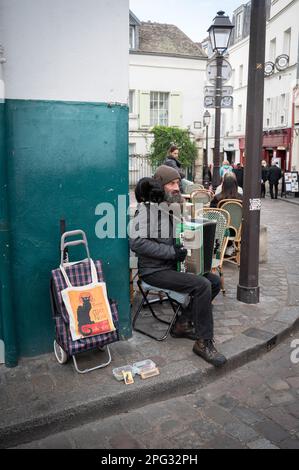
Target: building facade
<point>167,73</point>
<point>281,85</point>
<point>280,136</point>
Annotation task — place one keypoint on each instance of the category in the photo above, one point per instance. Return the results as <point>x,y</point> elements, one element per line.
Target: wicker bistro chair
<point>235,209</point>
<point>222,218</point>
<point>200,198</point>
<point>177,301</point>
<point>190,187</point>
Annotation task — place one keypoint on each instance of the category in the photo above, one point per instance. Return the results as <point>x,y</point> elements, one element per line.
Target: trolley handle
<point>82,241</point>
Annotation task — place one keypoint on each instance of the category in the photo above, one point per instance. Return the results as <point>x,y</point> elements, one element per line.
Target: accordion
<point>198,237</point>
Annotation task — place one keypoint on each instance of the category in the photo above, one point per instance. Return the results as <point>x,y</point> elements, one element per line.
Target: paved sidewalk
<point>40,396</point>
<point>255,407</point>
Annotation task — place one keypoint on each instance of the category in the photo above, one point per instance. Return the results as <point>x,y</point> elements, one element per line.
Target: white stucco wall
<point>65,49</point>
<point>156,73</point>
<point>167,74</point>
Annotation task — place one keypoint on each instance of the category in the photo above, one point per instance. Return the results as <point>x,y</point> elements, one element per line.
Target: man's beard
<point>173,197</point>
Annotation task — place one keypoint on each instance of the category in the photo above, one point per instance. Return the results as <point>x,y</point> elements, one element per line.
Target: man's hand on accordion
<point>180,253</point>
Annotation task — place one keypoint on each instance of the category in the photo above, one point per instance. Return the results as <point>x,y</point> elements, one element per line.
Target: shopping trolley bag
<point>85,318</point>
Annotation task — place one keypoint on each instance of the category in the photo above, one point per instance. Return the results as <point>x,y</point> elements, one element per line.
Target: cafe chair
<point>235,209</point>
<point>189,187</point>
<point>222,218</point>
<point>200,198</point>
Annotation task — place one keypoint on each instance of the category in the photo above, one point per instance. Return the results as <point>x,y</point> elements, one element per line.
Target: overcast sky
<point>193,17</point>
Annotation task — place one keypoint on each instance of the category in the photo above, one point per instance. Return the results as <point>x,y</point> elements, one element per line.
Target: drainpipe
<point>6,309</point>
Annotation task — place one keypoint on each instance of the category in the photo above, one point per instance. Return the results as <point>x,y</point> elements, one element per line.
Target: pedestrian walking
<point>225,168</point>
<point>274,175</point>
<point>239,172</point>
<point>264,178</point>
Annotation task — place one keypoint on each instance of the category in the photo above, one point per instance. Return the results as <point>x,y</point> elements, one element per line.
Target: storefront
<point>231,150</point>
<point>242,150</point>
<point>276,145</point>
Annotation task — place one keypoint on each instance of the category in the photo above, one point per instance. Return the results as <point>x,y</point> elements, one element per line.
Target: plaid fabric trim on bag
<point>79,275</point>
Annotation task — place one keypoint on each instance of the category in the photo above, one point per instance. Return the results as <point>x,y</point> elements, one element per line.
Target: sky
<point>193,17</point>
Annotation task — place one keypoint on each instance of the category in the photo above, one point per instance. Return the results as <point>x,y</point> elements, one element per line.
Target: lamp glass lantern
<point>220,32</point>
<point>206,118</point>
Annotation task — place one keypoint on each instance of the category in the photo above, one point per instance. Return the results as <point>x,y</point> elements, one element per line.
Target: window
<point>159,104</point>
<point>239,117</point>
<point>131,101</point>
<point>282,107</point>
<point>240,75</point>
<point>272,51</point>
<point>231,129</point>
<point>132,42</point>
<point>132,149</point>
<point>268,111</point>
<point>239,19</point>
<point>232,80</point>
<point>287,42</point>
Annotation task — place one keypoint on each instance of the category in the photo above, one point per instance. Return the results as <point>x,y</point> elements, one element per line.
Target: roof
<point>133,19</point>
<point>167,39</point>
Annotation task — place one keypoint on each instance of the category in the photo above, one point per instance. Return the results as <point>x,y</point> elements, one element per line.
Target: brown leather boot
<point>183,330</point>
<point>205,348</point>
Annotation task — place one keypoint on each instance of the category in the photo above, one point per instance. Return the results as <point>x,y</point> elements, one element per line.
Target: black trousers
<point>263,189</point>
<point>275,189</point>
<point>202,290</point>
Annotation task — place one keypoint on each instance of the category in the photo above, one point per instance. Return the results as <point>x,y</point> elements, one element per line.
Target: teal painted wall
<point>64,158</point>
<point>2,202</point>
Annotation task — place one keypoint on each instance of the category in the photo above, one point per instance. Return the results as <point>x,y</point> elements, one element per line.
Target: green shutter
<point>175,108</point>
<point>144,109</point>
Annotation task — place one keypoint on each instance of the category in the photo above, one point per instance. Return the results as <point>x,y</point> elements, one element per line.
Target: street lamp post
<point>219,32</point>
<point>206,178</point>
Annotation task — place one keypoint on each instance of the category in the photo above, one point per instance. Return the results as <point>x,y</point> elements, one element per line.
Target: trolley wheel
<point>60,354</point>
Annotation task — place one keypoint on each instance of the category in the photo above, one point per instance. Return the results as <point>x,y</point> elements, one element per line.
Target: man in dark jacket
<point>239,172</point>
<point>274,175</point>
<point>158,255</point>
<point>264,178</point>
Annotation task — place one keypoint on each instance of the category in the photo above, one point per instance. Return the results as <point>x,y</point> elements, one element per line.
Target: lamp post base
<point>248,295</point>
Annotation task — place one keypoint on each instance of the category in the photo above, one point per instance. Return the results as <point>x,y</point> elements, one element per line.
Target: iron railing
<point>141,166</point>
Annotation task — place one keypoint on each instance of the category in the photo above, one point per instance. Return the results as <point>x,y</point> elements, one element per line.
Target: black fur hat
<point>149,190</point>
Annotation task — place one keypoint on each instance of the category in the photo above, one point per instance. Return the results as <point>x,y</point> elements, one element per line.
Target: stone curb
<point>180,378</point>
<point>288,200</point>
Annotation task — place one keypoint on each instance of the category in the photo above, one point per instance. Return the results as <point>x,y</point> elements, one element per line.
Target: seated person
<point>229,190</point>
<point>219,188</point>
<point>158,255</point>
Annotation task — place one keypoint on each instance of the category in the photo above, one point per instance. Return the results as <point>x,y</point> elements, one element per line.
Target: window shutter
<point>175,114</point>
<point>144,109</point>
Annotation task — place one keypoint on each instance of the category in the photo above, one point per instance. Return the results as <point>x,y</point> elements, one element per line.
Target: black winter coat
<point>174,163</point>
<point>264,174</point>
<point>274,174</point>
<point>152,239</point>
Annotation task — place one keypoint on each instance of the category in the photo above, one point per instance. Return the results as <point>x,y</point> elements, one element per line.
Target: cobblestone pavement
<point>40,395</point>
<point>255,407</point>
